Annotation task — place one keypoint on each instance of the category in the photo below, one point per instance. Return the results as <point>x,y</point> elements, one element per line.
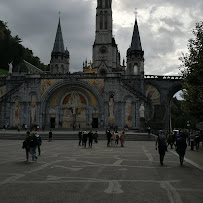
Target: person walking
<point>39,142</point>
<point>197,140</point>
<point>80,137</point>
<point>32,146</point>
<point>122,138</point>
<point>26,145</point>
<point>50,136</point>
<point>192,140</point>
<point>181,147</point>
<point>162,147</point>
<point>96,137</point>
<point>90,135</point>
<point>170,140</point>
<point>108,133</point>
<point>85,138</point>
<point>116,138</point>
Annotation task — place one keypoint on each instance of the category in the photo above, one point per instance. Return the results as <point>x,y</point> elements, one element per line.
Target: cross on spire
<point>136,13</point>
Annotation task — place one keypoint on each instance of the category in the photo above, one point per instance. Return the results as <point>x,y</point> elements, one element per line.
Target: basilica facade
<point>105,93</point>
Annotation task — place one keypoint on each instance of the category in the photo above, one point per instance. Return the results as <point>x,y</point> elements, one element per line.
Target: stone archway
<point>71,104</point>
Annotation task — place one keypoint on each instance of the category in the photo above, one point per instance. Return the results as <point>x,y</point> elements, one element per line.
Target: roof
<point>136,42</point>
<point>58,44</point>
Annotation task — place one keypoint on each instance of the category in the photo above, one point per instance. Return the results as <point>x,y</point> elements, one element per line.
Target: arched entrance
<point>72,105</point>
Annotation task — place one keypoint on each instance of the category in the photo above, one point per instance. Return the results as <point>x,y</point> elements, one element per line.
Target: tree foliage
<point>178,116</point>
<point>11,50</point>
<point>192,72</point>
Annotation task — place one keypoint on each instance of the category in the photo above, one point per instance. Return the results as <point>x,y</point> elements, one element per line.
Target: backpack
<point>39,141</point>
<point>24,144</point>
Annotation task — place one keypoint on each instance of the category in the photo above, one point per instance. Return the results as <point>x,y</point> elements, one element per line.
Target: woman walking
<point>181,147</point>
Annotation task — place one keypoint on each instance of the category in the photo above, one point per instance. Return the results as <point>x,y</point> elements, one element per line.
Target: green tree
<point>178,116</point>
<point>11,50</point>
<point>192,69</point>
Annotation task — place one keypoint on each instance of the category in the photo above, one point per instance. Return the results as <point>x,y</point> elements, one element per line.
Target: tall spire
<point>136,42</point>
<point>58,44</point>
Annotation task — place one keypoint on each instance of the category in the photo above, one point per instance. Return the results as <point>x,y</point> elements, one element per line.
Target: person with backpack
<point>32,143</point>
<point>161,142</point>
<point>26,146</point>
<point>39,142</point>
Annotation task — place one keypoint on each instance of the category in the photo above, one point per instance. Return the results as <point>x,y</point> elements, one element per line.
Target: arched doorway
<point>72,105</point>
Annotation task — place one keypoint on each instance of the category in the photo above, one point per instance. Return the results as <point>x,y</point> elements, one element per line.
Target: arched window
<point>106,20</point>
<point>130,69</point>
<point>56,69</point>
<point>136,69</point>
<point>100,3</point>
<point>107,3</point>
<point>101,20</point>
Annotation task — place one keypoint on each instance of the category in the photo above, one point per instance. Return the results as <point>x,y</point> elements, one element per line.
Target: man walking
<point>161,142</point>
<point>80,137</point>
<point>39,142</point>
<point>90,135</point>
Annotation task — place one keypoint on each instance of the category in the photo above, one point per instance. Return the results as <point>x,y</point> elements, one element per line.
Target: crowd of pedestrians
<point>180,140</point>
<point>114,137</point>
<point>85,136</point>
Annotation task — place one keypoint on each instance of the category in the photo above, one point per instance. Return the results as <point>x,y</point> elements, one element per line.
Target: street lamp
<point>188,126</point>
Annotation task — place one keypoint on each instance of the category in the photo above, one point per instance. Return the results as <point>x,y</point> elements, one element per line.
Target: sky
<point>165,27</point>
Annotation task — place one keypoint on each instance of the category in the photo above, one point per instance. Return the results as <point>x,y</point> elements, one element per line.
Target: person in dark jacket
<point>80,137</point>
<point>39,142</point>
<point>32,146</point>
<point>108,133</point>
<point>161,142</point>
<point>50,136</point>
<point>90,135</point>
<point>26,145</point>
<point>85,138</point>
<point>181,147</point>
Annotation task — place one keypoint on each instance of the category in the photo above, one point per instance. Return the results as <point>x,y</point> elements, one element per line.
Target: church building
<point>104,94</point>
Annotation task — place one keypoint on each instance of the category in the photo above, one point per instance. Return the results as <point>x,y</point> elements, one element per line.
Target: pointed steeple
<point>58,44</point>
<point>59,56</point>
<point>136,42</point>
<point>135,54</point>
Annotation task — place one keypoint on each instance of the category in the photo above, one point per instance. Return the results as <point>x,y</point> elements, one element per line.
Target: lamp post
<point>188,126</point>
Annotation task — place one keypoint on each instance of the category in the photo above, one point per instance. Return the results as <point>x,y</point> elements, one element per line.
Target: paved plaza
<point>66,172</point>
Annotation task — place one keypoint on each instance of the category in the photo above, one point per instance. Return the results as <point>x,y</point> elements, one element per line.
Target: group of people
<point>83,136</point>
<point>114,138</point>
<point>193,138</point>
<point>180,143</point>
<point>32,142</point>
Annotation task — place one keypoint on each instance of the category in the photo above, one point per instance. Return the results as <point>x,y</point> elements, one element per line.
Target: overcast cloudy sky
<point>165,27</point>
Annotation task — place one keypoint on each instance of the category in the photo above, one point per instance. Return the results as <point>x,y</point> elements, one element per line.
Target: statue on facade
<point>141,110</point>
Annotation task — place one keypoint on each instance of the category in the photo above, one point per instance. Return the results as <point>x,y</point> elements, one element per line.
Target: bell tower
<point>135,54</point>
<point>105,52</point>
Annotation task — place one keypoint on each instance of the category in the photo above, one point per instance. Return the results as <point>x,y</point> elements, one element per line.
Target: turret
<point>59,57</point>
<point>135,54</point>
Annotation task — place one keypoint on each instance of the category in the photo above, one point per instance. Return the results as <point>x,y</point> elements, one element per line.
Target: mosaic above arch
<point>152,93</point>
